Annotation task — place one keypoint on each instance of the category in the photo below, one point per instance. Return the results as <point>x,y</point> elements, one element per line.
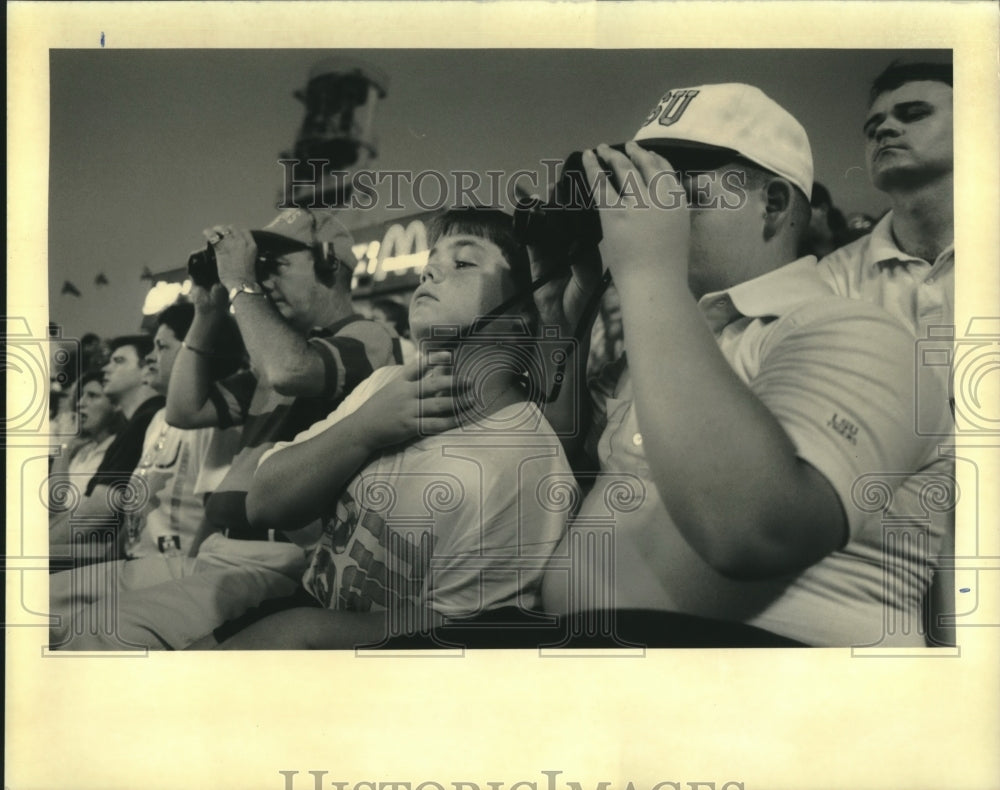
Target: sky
<point>148,147</point>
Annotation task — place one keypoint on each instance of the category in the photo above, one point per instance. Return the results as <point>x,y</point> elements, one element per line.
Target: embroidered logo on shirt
<point>844,427</point>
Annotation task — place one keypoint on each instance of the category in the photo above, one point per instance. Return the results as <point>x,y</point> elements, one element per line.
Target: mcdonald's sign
<point>392,249</point>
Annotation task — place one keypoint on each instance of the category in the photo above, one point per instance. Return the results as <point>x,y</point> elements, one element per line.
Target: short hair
<point>897,74</point>
<point>89,378</point>
<point>143,345</point>
<point>493,225</point>
<point>801,208</point>
<point>177,317</point>
<point>396,313</point>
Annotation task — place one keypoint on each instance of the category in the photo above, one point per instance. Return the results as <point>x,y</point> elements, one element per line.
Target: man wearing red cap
<point>741,455</point>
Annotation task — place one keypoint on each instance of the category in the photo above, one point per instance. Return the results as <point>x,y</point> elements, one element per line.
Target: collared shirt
<point>919,293</point>
<point>838,375</point>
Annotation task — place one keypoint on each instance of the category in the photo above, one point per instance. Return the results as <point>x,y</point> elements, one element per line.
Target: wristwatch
<point>253,289</point>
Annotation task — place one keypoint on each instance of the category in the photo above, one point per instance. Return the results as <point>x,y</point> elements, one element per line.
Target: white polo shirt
<point>919,293</point>
<point>838,375</point>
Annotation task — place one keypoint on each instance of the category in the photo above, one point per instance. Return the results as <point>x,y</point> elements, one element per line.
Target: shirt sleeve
<point>840,376</point>
<point>350,356</point>
<point>231,398</point>
<point>348,406</point>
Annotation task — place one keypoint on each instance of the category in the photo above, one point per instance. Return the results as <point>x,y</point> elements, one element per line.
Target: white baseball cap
<point>735,117</point>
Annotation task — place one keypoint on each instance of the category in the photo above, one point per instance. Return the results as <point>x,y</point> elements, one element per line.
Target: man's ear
<point>778,206</point>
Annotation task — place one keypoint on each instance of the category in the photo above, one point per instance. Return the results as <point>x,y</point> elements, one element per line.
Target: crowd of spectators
<point>274,470</point>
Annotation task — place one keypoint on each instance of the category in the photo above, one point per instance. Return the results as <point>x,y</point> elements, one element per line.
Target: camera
<point>569,218</point>
<point>500,346</point>
<point>204,269</point>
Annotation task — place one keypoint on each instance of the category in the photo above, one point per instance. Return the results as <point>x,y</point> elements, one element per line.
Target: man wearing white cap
<point>742,444</point>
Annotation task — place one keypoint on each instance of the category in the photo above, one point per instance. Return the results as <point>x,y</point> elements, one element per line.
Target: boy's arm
<point>299,482</point>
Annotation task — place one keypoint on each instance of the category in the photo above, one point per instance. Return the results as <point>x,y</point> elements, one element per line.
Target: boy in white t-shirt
<point>437,482</point>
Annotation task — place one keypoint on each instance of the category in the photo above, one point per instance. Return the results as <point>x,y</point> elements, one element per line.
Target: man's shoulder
<point>378,339</point>
<point>851,257</point>
<point>139,422</point>
<point>841,325</point>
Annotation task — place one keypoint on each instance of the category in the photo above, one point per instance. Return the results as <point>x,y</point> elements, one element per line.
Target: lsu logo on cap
<point>671,107</point>
<point>288,217</point>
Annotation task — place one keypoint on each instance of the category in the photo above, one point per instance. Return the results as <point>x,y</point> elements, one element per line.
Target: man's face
<point>724,226</point>
<point>908,135</point>
<point>95,408</point>
<point>294,289</point>
<point>123,373</point>
<point>161,361</point>
<point>465,277</point>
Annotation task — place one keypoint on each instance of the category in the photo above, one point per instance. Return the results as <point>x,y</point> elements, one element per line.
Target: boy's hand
<point>422,401</point>
<point>644,216</point>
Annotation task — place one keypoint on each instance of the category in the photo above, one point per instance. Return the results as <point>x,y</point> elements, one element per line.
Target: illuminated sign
<point>402,249</point>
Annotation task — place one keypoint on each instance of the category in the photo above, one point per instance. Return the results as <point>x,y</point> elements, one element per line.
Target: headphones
<point>325,262</point>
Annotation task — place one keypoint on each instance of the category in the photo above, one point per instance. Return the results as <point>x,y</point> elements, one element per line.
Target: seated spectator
<point>392,314</point>
<point>764,428</point>
<point>308,349</point>
<point>99,421</point>
<point>158,526</point>
<point>369,468</point>
<point>138,402</point>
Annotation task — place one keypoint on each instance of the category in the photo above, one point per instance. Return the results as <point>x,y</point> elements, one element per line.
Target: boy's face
<point>465,277</point>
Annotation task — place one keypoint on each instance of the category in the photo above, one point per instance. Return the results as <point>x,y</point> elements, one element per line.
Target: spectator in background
<point>159,525</point>
<point>124,385</point>
<point>93,353</point>
<point>907,263</point>
<point>827,228</point>
<point>99,423</point>
<point>392,314</point>
<point>308,349</point>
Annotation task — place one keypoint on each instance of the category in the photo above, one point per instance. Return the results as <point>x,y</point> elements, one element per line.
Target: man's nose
<point>888,128</point>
